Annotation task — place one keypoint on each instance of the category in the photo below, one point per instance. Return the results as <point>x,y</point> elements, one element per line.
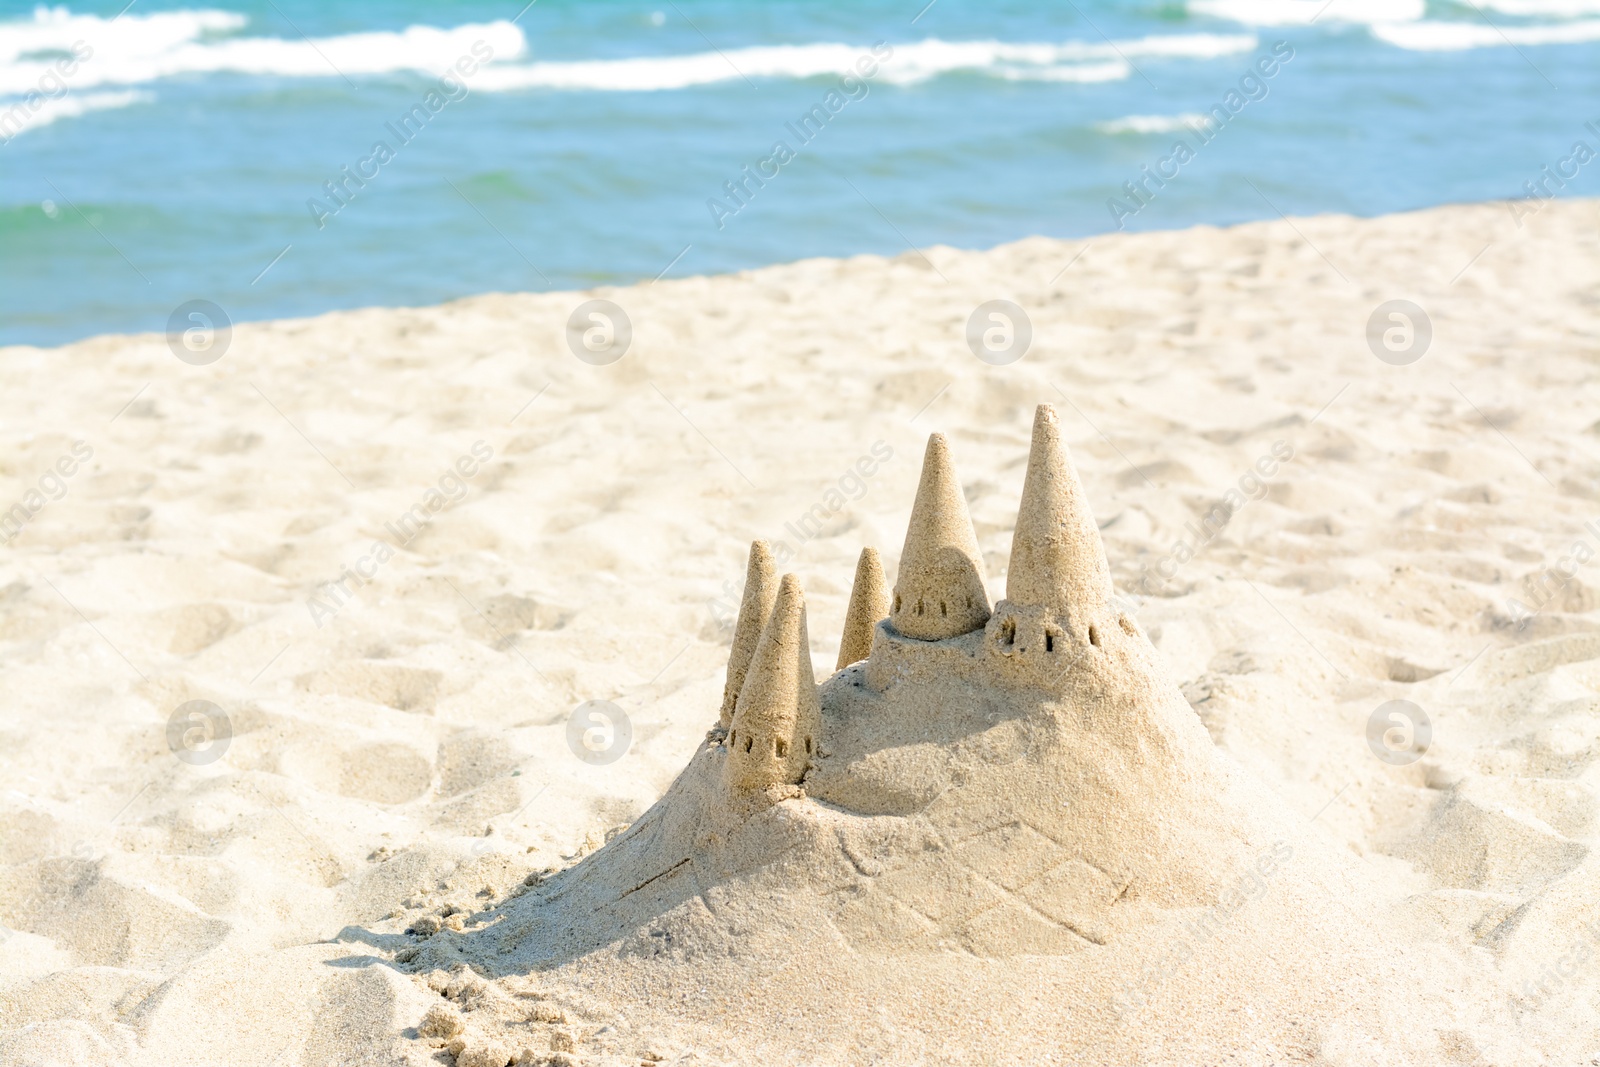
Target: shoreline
<point>1511,206</point>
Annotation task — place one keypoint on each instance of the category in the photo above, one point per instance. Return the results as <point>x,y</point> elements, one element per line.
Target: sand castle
<point>928,679</point>
<point>1021,784</point>
<point>1058,593</point>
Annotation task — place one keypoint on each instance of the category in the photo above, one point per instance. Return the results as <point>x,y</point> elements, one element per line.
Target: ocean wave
<point>1542,8</point>
<point>1437,36</point>
<point>1153,123</point>
<point>138,49</point>
<point>1072,61</point>
<point>16,117</point>
<point>57,29</point>
<point>1079,75</point>
<point>1303,12</point>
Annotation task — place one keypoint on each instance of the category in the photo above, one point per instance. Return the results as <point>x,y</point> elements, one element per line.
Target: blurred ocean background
<point>203,152</point>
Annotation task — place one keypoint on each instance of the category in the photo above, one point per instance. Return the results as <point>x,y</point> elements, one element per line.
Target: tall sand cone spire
<point>760,590</point>
<point>778,722</point>
<point>938,591</point>
<point>869,605</point>
<point>1057,559</point>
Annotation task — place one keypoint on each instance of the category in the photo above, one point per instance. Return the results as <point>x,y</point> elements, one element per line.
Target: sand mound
<point>998,835</point>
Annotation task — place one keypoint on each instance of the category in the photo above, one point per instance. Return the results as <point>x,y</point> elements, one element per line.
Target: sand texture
<point>381,692</point>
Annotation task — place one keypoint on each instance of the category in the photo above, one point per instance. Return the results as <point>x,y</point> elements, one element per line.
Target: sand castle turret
<point>760,591</point>
<point>1059,583</point>
<point>777,723</point>
<point>1057,559</point>
<point>938,592</point>
<point>869,605</point>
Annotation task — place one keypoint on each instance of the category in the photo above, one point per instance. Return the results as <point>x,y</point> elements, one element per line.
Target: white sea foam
<point>1437,36</point>
<point>57,29</point>
<point>17,117</point>
<point>137,49</point>
<point>1073,61</point>
<point>1084,74</point>
<point>1153,123</point>
<point>1303,12</point>
<point>1561,9</point>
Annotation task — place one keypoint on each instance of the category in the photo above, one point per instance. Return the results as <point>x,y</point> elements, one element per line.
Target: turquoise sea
<point>287,157</point>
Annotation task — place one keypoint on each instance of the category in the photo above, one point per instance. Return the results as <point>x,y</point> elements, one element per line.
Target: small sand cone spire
<point>760,590</point>
<point>778,721</point>
<point>1057,559</point>
<point>869,605</point>
<point>938,592</point>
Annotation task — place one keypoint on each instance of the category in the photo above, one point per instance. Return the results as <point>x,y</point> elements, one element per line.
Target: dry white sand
<point>406,763</point>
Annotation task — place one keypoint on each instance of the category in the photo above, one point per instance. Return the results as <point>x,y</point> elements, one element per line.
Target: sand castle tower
<point>777,722</point>
<point>760,590</point>
<point>1058,587</point>
<point>938,592</point>
<point>869,605</point>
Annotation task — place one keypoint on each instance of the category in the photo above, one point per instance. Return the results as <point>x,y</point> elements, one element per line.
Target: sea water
<point>288,157</point>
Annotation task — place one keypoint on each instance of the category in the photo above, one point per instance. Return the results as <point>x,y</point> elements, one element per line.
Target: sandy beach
<point>299,648</point>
